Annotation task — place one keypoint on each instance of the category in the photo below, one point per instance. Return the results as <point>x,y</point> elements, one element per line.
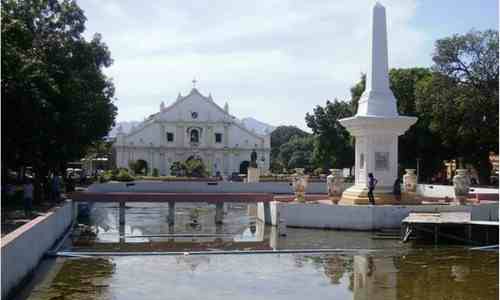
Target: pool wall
<point>23,248</point>
<point>425,190</point>
<point>363,217</point>
<point>204,187</point>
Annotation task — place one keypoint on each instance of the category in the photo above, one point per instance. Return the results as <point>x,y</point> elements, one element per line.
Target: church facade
<point>193,126</point>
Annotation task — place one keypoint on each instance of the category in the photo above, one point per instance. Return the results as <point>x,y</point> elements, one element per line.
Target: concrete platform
<point>360,217</point>
<point>382,196</point>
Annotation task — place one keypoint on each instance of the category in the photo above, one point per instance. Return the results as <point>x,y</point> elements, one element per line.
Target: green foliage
<point>461,98</point>
<point>56,101</point>
<point>195,168</point>
<point>356,92</point>
<point>280,136</point>
<point>100,149</point>
<point>192,168</point>
<point>123,175</point>
<point>333,144</point>
<point>178,168</point>
<point>156,173</point>
<point>318,171</point>
<point>419,141</point>
<point>297,153</point>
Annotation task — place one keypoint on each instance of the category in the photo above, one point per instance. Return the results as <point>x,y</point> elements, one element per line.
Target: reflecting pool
<point>392,271</point>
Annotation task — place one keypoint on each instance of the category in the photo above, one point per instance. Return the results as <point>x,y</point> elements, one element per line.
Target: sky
<point>273,60</point>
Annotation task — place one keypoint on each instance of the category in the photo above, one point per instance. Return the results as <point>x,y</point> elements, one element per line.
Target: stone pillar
<point>179,136</point>
<point>219,212</point>
<point>171,213</point>
<point>461,185</point>
<point>225,137</point>
<point>121,222</point>
<point>121,213</point>
<point>253,175</point>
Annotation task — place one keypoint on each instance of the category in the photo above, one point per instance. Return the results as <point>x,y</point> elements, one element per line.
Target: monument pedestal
<point>358,195</point>
<point>253,175</point>
<point>377,153</point>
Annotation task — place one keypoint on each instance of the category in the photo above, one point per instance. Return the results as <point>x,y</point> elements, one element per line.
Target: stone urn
<point>461,184</point>
<point>335,185</point>
<point>410,181</point>
<point>299,184</point>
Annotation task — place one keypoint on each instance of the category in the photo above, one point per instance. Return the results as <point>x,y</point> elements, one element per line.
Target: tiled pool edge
<point>23,248</point>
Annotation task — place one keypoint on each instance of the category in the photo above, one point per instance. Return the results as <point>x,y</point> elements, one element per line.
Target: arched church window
<point>195,136</point>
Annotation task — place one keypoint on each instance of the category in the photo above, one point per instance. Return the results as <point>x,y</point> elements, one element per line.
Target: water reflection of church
<point>193,126</point>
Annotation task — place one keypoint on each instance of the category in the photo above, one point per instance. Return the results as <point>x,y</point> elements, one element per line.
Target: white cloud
<point>273,60</point>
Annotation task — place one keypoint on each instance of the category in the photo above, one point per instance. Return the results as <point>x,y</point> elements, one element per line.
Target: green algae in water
<point>83,278</point>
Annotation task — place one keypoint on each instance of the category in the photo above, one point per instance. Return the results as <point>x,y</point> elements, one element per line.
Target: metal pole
<point>171,213</point>
<point>219,212</point>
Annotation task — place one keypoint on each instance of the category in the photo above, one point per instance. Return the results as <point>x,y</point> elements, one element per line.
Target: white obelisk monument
<point>376,125</point>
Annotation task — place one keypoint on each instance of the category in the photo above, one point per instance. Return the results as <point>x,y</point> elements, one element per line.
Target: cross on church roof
<point>194,83</point>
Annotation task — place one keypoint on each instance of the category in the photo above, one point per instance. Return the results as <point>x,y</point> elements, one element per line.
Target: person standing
<point>372,183</point>
<point>28,197</point>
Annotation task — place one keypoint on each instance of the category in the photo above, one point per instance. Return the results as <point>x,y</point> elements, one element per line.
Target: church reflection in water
<point>147,229</point>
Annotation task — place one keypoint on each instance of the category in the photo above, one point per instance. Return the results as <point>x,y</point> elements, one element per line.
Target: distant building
<point>193,126</point>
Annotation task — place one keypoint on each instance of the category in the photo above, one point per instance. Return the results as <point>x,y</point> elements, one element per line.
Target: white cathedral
<point>193,126</point>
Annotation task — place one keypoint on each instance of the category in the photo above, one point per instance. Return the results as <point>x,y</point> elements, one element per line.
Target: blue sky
<point>273,60</point>
<point>444,18</point>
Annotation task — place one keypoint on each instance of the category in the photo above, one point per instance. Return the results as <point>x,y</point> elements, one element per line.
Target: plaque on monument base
<point>253,175</point>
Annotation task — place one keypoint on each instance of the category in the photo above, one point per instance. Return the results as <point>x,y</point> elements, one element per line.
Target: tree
<point>297,153</point>
<point>55,98</point>
<point>419,142</point>
<point>333,144</point>
<point>195,168</point>
<point>356,92</point>
<point>177,168</point>
<point>280,136</point>
<point>461,98</point>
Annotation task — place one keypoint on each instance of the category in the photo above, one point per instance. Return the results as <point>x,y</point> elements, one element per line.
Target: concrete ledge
<point>203,187</point>
<point>363,217</point>
<point>171,197</point>
<point>23,248</point>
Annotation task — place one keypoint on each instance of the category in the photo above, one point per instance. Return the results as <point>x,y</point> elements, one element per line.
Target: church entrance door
<point>244,166</point>
<point>140,167</point>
